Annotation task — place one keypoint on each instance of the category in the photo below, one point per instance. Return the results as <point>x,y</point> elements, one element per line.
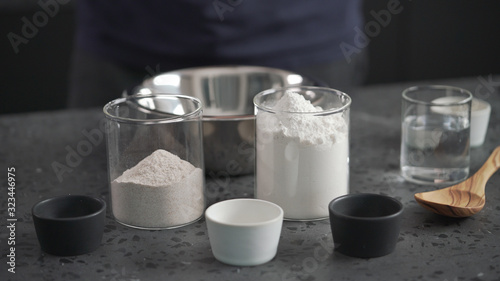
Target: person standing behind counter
<point>119,44</point>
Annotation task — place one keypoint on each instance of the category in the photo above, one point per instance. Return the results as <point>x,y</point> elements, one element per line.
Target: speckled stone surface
<point>430,247</point>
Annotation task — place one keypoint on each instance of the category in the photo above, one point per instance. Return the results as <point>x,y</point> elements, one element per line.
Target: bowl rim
<point>228,68</point>
<point>372,196</point>
<point>35,212</point>
<point>228,117</point>
<point>211,219</point>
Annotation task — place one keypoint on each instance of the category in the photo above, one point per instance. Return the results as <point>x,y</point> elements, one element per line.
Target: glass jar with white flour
<point>302,149</point>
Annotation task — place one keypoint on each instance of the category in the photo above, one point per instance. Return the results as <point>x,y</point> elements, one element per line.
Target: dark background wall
<point>432,39</point>
<point>422,40</point>
<point>34,78</point>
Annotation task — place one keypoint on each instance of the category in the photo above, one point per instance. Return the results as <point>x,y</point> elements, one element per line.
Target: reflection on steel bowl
<point>226,93</point>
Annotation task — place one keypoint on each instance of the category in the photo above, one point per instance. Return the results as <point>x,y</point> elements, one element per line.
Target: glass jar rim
<point>169,117</point>
<point>302,88</point>
<point>468,95</point>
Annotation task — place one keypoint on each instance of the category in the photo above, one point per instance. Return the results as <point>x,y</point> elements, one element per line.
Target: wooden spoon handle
<point>491,165</point>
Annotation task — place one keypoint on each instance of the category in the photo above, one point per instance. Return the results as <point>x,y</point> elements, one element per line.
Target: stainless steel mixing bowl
<point>226,93</point>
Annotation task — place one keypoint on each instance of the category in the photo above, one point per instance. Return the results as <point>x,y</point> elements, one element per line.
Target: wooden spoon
<point>463,199</point>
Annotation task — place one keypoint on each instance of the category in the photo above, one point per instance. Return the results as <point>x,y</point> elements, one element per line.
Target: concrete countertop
<point>430,247</point>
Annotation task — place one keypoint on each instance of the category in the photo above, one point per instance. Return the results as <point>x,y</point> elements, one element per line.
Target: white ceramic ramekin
<point>244,232</point>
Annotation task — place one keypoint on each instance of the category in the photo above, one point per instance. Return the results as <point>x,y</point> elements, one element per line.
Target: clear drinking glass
<point>155,160</point>
<point>302,149</point>
<point>435,142</point>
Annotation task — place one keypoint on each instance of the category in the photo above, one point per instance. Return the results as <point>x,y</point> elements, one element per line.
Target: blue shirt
<point>185,33</point>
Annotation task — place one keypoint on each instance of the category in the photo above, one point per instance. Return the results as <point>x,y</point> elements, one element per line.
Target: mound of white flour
<point>308,128</point>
